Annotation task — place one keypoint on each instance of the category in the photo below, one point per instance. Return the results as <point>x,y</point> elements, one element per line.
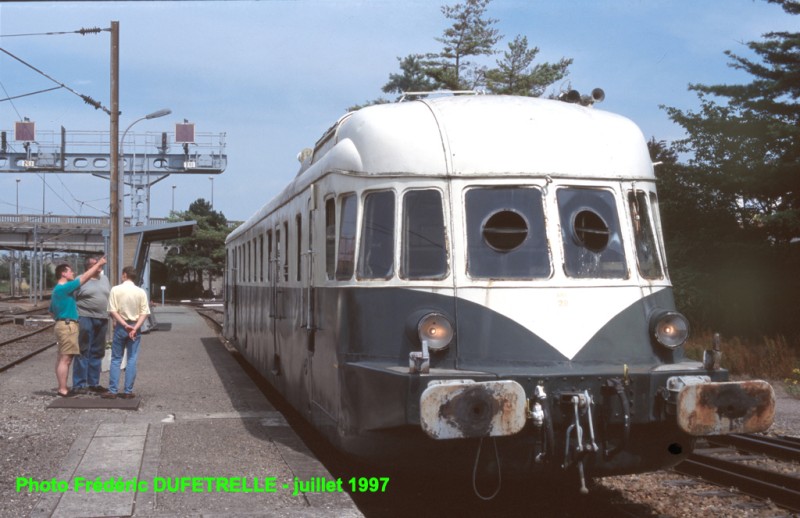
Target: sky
<point>273,75</point>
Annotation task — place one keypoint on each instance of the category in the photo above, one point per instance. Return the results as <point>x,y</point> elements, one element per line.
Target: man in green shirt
<point>65,312</point>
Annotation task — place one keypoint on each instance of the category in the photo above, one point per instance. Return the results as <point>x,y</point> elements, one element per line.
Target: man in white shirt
<point>127,304</point>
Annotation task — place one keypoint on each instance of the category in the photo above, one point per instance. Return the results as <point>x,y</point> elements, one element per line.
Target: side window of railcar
<point>285,252</point>
<point>506,235</point>
<point>261,258</point>
<point>249,260</point>
<point>647,255</point>
<point>424,249</point>
<point>591,234</point>
<point>278,253</point>
<point>232,263</point>
<point>330,237</point>
<point>298,221</point>
<point>376,253</point>
<point>345,259</point>
<point>268,259</point>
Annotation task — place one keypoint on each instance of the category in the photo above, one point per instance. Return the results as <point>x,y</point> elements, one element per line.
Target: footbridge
<point>80,234</point>
<point>40,234</point>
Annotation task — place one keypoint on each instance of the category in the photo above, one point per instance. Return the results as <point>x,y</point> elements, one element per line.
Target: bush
<point>770,358</point>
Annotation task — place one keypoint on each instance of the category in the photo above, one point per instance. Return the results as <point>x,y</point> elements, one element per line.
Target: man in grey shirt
<point>92,299</point>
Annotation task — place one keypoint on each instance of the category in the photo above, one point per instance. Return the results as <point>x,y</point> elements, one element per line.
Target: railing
<point>99,221</point>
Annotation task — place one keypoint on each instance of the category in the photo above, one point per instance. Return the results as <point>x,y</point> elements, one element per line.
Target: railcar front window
<point>376,253</point>
<point>345,259</point>
<point>424,250</point>
<point>643,232</point>
<point>591,234</point>
<point>506,235</point>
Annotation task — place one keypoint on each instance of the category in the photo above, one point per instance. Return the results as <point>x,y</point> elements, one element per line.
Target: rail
<point>758,482</point>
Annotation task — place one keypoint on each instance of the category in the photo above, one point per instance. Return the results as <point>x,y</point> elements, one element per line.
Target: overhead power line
<point>32,93</point>
<point>82,32</point>
<point>88,100</point>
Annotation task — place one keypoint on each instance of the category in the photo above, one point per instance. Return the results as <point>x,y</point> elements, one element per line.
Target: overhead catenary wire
<point>10,100</point>
<point>82,32</point>
<point>31,93</point>
<point>88,100</point>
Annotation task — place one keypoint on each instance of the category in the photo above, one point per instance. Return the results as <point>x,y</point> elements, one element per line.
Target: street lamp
<point>212,191</point>
<point>118,221</point>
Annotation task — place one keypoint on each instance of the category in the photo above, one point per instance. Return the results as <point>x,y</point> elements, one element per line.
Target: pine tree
<point>745,140</point>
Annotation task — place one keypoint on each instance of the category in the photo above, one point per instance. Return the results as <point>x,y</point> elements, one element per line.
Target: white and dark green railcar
<point>458,268</point>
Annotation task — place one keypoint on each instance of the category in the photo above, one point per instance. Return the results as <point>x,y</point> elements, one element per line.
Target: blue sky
<point>275,74</point>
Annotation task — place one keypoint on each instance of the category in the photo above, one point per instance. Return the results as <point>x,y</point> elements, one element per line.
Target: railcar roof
<point>489,135</point>
<point>478,135</point>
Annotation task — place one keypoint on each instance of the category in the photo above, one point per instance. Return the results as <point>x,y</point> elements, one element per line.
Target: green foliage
<point>473,35</point>
<point>770,357</point>
<point>746,138</point>
<point>731,213</point>
<point>190,258</point>
<point>516,75</point>
<point>414,76</point>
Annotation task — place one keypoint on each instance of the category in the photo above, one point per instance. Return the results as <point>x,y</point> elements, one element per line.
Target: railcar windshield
<point>591,234</point>
<point>424,248</point>
<point>345,258</point>
<point>506,236</point>
<point>647,255</point>
<point>376,253</point>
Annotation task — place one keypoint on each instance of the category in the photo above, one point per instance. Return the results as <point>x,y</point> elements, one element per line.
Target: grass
<point>771,358</point>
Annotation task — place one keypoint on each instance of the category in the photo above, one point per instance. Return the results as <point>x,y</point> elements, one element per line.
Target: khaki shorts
<point>67,336</point>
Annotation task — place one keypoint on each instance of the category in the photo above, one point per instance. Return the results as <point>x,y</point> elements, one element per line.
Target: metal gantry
<point>148,159</point>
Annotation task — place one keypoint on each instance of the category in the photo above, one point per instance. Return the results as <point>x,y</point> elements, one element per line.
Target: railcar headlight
<point>436,330</point>
<point>669,328</point>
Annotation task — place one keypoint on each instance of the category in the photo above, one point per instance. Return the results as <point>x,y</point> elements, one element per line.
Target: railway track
<point>743,462</point>
<point>10,318</point>
<point>19,343</point>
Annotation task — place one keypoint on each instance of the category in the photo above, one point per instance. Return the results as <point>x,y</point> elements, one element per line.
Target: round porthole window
<point>505,230</point>
<point>590,230</point>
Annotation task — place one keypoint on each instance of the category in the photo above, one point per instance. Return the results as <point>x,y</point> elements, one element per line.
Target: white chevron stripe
<point>565,317</point>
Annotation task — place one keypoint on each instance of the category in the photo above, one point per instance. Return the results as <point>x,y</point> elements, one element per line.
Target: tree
<point>190,258</point>
<point>470,35</point>
<point>737,200</point>
<point>515,74</point>
<point>414,76</point>
<point>747,137</point>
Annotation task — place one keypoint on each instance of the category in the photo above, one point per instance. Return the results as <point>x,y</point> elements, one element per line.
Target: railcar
<point>452,273</point>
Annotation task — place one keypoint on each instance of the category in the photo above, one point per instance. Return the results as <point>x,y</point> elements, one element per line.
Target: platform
<point>202,441</point>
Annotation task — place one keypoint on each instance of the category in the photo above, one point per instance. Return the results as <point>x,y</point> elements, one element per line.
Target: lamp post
<point>117,229</point>
<point>212,191</point>
<point>18,180</point>
<point>173,200</point>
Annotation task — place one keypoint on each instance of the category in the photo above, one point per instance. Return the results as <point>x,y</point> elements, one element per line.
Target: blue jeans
<point>122,343</point>
<point>92,339</point>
